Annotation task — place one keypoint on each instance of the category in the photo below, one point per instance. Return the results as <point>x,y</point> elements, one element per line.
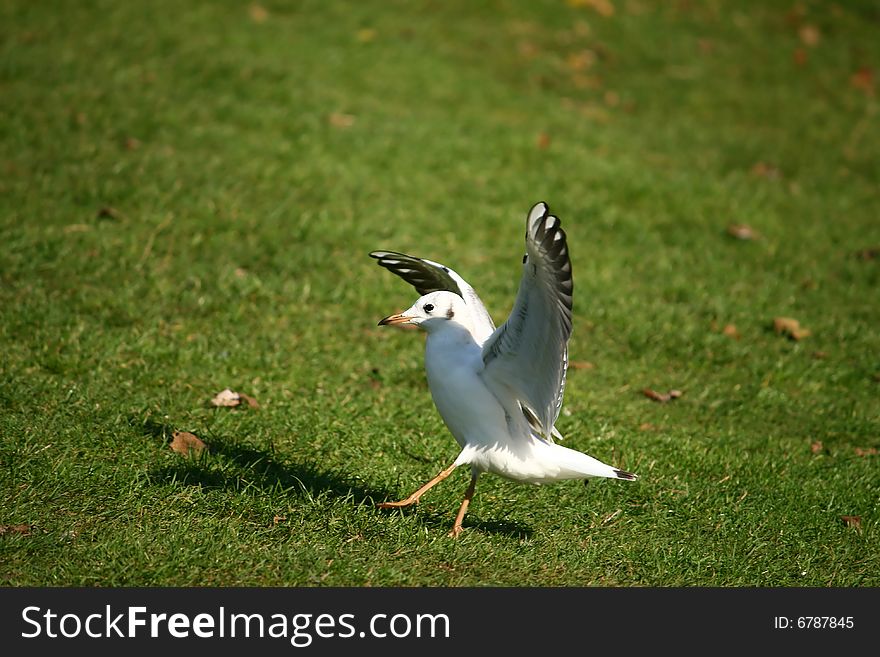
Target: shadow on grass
<point>229,465</point>
<point>441,521</point>
<point>241,468</point>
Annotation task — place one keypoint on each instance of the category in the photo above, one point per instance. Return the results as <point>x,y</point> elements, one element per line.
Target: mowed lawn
<point>188,193</point>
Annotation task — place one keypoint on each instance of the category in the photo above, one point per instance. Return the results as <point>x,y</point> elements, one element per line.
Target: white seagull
<point>499,391</point>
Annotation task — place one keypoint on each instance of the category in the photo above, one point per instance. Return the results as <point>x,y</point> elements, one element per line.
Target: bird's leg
<point>469,494</point>
<point>414,498</point>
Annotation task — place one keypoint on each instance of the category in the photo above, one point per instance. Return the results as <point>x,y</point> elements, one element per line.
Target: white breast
<point>452,363</point>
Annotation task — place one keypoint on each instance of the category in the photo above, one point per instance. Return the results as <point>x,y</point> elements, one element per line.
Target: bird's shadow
<point>442,521</point>
<point>260,469</point>
<point>244,467</point>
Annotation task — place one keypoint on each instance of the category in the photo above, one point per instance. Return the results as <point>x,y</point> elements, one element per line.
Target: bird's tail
<point>577,465</point>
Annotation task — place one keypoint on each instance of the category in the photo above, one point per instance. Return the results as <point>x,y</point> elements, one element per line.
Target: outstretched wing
<point>528,355</point>
<point>427,276</point>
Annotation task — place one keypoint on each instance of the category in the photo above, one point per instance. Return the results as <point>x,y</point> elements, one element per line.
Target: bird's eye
<point>429,307</point>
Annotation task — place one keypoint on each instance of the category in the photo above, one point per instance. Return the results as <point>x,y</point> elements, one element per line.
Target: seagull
<point>499,390</point>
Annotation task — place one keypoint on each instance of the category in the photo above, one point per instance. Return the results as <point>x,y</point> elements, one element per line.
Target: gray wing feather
<point>528,354</point>
<point>427,276</point>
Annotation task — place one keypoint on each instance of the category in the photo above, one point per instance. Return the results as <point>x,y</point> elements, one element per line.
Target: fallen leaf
<point>809,35</point>
<point>742,232</point>
<point>647,426</point>
<point>278,519</point>
<point>543,140</point>
<point>867,451</point>
<point>790,327</point>
<point>229,398</point>
<point>816,447</point>
<point>764,170</point>
<point>820,355</point>
<point>258,13</point>
<point>661,397</point>
<point>131,144</point>
<point>21,530</point>
<point>852,521</point>
<point>731,331</point>
<point>250,401</point>
<point>800,56</point>
<point>184,442</point>
<point>226,397</point>
<point>581,365</point>
<point>863,80</point>
<point>340,120</point>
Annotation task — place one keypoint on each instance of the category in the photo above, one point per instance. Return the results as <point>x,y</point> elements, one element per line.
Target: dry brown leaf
<point>816,447</point>
<point>184,442</point>
<point>863,80</point>
<point>647,426</point>
<point>731,331</point>
<point>21,530</point>
<point>250,401</point>
<point>661,397</point>
<point>340,120</point>
<point>809,35</point>
<point>820,355</point>
<point>742,232</point>
<point>764,170</point>
<point>258,13</point>
<point>543,140</point>
<point>131,144</point>
<point>866,451</point>
<point>800,57</point>
<point>581,365</point>
<point>852,521</point>
<point>790,327</point>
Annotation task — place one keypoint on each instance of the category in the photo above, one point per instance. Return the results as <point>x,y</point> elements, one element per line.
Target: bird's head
<point>431,312</point>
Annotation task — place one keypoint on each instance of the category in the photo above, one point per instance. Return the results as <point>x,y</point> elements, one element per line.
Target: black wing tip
<point>629,476</point>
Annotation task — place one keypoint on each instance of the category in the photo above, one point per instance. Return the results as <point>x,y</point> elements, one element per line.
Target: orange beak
<point>398,318</point>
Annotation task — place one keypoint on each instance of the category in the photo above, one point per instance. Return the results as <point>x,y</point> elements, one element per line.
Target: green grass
<point>248,162</point>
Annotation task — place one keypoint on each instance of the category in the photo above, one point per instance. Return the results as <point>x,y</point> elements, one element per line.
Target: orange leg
<point>414,498</point>
<point>469,494</point>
